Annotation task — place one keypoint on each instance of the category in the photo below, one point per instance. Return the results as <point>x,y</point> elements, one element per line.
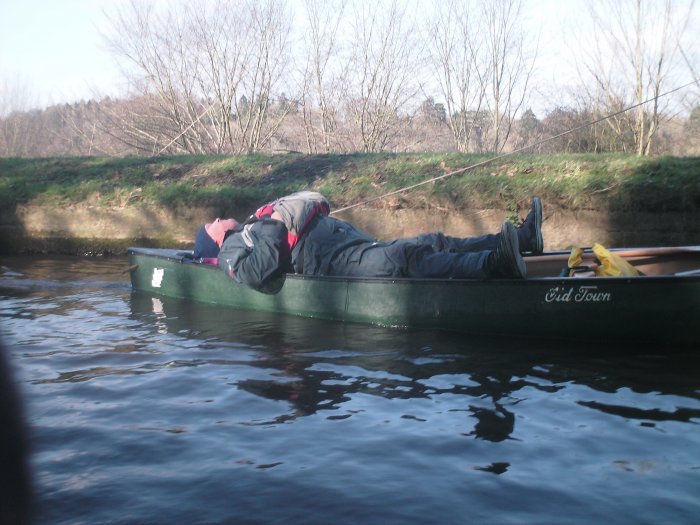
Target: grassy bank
<point>232,184</point>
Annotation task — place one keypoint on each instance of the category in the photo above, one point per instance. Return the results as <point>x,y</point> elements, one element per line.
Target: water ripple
<point>147,410</point>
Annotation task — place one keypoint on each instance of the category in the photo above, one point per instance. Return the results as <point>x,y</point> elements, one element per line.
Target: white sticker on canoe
<point>576,294</point>
<point>157,278</point>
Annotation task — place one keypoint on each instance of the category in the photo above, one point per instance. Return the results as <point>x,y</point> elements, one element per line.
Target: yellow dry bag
<point>612,265</point>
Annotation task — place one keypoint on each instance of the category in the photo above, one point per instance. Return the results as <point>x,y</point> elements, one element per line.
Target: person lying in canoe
<point>295,234</point>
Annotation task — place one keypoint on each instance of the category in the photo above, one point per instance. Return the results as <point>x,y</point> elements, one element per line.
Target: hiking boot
<point>530,231</point>
<point>505,260</point>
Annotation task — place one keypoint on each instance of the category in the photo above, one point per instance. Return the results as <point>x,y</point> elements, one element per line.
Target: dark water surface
<point>148,410</point>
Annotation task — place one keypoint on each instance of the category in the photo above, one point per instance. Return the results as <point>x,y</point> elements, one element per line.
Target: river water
<point>147,410</point>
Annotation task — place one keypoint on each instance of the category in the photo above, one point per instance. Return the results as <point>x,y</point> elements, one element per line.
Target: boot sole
<point>510,249</point>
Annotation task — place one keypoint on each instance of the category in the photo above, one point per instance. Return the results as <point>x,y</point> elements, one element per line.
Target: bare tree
<point>454,43</point>
<point>382,73</point>
<point>136,125</point>
<point>79,129</point>
<point>263,72</point>
<point>631,58</point>
<point>210,67</point>
<point>689,45</point>
<point>510,67</point>
<point>322,69</point>
<point>17,132</point>
<point>154,49</point>
<point>480,57</point>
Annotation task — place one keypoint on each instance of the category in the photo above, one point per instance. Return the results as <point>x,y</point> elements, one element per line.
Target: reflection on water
<point>152,410</point>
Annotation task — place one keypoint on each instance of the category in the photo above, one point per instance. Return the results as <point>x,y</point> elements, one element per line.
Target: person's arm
<point>256,254</point>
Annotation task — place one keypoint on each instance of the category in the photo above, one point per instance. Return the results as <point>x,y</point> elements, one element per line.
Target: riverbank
<point>103,205</point>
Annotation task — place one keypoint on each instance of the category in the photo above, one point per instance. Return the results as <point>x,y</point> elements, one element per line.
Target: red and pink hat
<point>210,237</point>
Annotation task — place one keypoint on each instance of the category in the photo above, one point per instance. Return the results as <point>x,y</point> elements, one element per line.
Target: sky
<point>55,52</point>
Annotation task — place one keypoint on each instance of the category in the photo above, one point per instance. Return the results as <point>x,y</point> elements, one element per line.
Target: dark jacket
<point>331,247</point>
<point>256,253</point>
<point>262,249</point>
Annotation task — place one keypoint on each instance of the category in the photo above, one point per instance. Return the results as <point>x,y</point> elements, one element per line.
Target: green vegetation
<point>229,184</point>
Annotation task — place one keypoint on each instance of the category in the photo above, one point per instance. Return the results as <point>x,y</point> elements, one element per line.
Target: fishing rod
<point>510,153</point>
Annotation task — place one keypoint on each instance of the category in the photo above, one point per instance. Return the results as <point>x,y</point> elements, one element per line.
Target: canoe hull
<point>663,309</point>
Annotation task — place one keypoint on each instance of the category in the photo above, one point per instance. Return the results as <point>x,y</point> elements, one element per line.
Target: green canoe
<point>663,305</point>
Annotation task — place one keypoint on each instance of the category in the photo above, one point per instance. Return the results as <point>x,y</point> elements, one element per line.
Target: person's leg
<point>421,260</point>
<point>377,259</point>
<point>410,258</point>
<point>449,265</point>
<point>445,243</point>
